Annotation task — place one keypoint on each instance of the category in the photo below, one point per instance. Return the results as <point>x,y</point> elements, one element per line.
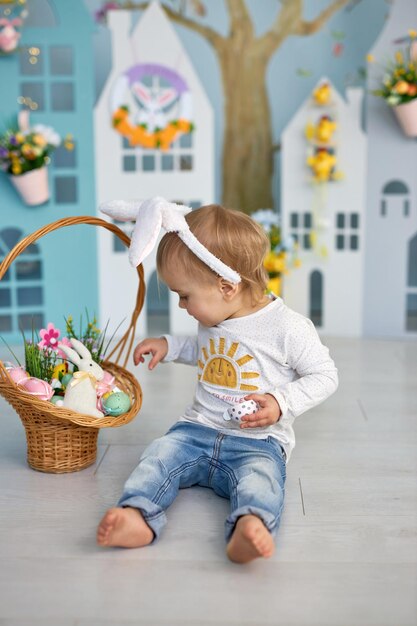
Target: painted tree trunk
<point>247,149</point>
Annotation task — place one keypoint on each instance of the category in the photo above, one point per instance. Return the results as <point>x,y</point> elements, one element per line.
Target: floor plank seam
<point>101,460</point>
<point>362,409</point>
<point>302,497</point>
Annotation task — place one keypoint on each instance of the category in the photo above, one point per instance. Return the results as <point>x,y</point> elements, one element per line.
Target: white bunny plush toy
<point>80,394</point>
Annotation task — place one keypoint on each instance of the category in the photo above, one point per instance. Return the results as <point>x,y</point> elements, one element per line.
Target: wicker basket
<point>60,440</point>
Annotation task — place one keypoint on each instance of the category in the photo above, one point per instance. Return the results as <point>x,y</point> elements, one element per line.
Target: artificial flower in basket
<point>67,371</point>
<point>399,86</point>
<point>24,155</point>
<point>283,253</point>
<point>64,393</point>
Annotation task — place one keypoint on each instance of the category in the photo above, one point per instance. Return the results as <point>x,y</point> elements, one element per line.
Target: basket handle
<point>129,336</point>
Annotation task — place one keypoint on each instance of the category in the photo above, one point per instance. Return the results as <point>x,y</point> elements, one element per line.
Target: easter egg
<point>37,387</point>
<point>100,401</point>
<point>57,400</point>
<point>17,374</point>
<point>116,403</point>
<point>65,380</point>
<point>243,408</point>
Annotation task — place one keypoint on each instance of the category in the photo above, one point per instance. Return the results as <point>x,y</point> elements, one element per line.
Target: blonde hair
<point>233,237</point>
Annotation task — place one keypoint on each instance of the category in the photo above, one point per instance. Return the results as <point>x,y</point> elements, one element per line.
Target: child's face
<point>208,303</point>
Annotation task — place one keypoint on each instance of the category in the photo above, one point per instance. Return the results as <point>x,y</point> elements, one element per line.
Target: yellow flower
<point>274,285</point>
<point>30,152</point>
<point>313,238</point>
<point>297,263</point>
<point>412,33</point>
<point>399,57</point>
<point>324,252</point>
<point>68,142</point>
<point>370,58</point>
<point>274,262</point>
<point>16,168</point>
<point>39,140</point>
<point>20,137</point>
<point>401,87</point>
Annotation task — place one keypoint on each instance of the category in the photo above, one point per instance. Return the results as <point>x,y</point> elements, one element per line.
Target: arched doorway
<point>411,297</point>
<point>316,298</point>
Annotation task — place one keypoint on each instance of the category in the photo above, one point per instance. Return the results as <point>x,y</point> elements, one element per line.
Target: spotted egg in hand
<point>236,412</point>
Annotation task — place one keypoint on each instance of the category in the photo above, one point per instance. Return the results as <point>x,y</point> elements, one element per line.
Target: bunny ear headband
<point>150,216</point>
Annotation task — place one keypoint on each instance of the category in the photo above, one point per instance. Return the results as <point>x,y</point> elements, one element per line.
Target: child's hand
<point>268,414</point>
<point>158,347</point>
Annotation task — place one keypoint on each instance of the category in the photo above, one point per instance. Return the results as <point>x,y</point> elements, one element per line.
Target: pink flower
<point>50,340</point>
<point>49,337</point>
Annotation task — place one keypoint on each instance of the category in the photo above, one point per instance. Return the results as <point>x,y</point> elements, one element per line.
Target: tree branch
<point>281,28</point>
<point>309,28</point>
<point>212,36</point>
<point>289,21</point>
<point>238,13</point>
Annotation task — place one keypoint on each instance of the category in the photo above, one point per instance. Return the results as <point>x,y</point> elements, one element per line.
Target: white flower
<point>48,133</point>
<point>393,100</point>
<point>288,243</point>
<point>266,218</point>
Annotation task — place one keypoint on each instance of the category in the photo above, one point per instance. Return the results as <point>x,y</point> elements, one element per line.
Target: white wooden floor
<point>346,551</point>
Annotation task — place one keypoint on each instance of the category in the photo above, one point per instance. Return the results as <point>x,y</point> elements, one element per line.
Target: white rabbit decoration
<point>153,103</point>
<point>80,394</point>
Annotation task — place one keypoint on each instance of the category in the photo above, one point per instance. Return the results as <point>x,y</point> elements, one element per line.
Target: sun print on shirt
<point>219,368</point>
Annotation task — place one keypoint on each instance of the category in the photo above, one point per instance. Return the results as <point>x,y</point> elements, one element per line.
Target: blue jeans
<point>250,472</point>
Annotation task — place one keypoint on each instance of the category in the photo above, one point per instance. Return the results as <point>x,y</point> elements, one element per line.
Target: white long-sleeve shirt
<point>274,350</point>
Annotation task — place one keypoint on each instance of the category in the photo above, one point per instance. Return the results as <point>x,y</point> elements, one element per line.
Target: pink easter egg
<point>37,387</point>
<point>17,374</point>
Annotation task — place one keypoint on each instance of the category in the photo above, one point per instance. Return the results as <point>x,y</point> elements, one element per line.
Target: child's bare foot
<point>124,528</point>
<point>250,540</point>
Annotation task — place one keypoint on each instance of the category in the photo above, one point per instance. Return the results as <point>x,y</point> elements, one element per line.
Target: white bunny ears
<point>150,215</point>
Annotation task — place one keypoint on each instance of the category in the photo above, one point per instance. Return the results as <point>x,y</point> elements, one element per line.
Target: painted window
<point>395,198</point>
<point>127,228</point>
<point>47,77</point>
<point>180,157</point>
<point>157,306</point>
<point>21,289</point>
<point>301,225</point>
<point>411,296</point>
<point>347,231</point>
<point>65,180</point>
<point>316,298</point>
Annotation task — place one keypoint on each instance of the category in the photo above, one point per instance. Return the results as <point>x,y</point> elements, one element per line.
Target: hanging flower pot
<point>24,156</point>
<point>399,85</point>
<point>32,186</point>
<point>406,114</point>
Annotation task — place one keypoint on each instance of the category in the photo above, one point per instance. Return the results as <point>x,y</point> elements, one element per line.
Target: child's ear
<point>228,290</point>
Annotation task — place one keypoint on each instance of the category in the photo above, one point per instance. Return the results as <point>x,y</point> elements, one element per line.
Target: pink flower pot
<point>407,116</point>
<point>32,186</point>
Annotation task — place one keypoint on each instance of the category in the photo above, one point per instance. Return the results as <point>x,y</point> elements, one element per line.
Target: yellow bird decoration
<point>61,368</point>
<point>322,164</point>
<point>322,94</point>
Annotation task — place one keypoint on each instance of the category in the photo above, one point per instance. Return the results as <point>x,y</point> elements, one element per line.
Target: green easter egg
<point>65,379</point>
<point>56,399</point>
<point>117,403</point>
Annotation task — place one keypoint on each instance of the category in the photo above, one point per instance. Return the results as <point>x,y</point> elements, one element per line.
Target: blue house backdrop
<point>53,71</point>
